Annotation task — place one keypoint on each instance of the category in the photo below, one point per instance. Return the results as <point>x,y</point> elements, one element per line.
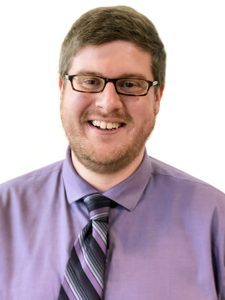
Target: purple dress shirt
<point>167,234</point>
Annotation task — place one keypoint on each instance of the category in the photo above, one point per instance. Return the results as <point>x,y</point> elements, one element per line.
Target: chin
<point>106,164</point>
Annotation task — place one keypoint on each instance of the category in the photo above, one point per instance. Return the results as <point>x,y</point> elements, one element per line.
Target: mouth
<point>103,125</point>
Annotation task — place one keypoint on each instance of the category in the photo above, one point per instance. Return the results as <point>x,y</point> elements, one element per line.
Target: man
<point>159,232</point>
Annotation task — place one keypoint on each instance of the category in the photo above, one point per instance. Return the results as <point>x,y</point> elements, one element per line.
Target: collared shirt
<point>167,234</point>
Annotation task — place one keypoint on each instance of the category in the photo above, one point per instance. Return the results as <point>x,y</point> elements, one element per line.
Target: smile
<point>106,125</point>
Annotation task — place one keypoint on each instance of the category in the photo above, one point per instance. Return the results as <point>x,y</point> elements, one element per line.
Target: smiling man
<point>108,122</point>
<point>110,222</point>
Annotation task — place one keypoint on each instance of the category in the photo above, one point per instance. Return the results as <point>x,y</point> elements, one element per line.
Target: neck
<point>103,182</point>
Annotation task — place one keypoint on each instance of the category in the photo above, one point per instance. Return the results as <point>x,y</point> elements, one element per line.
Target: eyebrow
<point>123,75</point>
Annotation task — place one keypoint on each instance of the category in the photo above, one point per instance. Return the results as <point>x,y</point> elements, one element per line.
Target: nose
<point>108,100</point>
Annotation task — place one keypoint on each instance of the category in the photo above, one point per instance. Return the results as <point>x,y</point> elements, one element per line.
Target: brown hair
<point>105,24</point>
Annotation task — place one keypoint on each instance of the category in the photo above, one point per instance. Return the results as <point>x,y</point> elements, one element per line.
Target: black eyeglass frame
<point>114,81</point>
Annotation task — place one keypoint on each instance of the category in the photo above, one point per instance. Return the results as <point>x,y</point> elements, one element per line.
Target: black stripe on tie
<point>98,201</point>
<point>78,274</point>
<point>96,254</point>
<point>63,295</point>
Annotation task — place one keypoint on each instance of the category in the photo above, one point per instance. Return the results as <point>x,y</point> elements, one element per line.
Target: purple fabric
<point>68,291</point>
<point>100,240</point>
<point>167,235</point>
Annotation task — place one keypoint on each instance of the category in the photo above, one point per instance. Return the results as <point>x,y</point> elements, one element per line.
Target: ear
<point>158,96</point>
<point>60,84</point>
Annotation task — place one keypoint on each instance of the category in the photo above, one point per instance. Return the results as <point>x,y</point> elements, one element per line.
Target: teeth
<point>105,125</point>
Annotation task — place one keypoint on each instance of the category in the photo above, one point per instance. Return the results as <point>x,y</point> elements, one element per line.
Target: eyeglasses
<point>123,86</point>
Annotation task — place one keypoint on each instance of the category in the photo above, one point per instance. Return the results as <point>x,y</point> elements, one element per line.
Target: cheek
<point>142,113</point>
<point>74,105</point>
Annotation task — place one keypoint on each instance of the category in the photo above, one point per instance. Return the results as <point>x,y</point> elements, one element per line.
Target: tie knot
<point>98,206</point>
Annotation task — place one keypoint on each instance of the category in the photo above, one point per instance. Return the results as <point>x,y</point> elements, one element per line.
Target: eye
<point>128,83</point>
<point>90,81</point>
<point>131,85</point>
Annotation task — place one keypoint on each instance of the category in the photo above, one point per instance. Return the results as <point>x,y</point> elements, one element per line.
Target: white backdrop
<point>190,128</point>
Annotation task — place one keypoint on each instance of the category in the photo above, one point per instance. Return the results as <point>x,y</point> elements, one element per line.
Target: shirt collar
<point>127,193</point>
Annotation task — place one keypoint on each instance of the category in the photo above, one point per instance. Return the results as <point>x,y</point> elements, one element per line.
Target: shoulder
<point>180,182</point>
<point>31,182</point>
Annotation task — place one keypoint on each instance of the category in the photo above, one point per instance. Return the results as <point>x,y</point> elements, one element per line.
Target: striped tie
<point>84,276</point>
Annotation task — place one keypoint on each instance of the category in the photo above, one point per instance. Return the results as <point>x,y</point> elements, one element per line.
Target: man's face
<point>132,117</point>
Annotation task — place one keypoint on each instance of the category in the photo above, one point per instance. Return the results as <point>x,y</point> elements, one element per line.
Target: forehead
<point>112,60</point>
